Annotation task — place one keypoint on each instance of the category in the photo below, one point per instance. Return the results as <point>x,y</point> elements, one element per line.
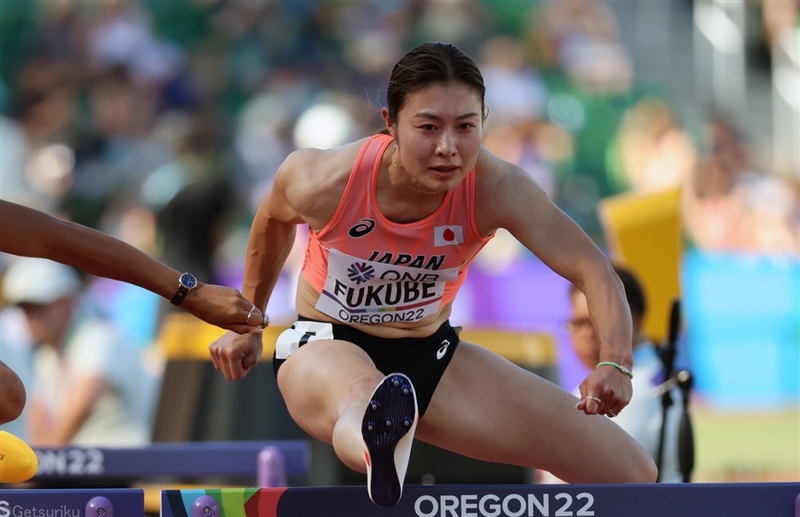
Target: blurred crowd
<point>163,123</point>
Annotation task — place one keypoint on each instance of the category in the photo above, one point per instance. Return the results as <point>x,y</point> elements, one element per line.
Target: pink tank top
<point>371,270</point>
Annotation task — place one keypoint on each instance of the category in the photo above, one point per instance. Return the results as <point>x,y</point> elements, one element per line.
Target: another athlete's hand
<point>224,307</point>
<point>605,391</point>
<point>234,354</point>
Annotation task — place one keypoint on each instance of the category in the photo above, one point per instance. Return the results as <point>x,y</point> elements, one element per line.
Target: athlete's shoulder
<point>321,165</point>
<point>502,191</point>
<point>314,180</point>
<point>492,172</point>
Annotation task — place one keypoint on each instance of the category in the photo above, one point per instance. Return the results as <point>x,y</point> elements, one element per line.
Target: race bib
<point>363,291</point>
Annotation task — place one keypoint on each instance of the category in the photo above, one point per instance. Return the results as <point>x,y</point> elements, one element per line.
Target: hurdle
<point>269,462</point>
<point>655,500</point>
<point>72,503</point>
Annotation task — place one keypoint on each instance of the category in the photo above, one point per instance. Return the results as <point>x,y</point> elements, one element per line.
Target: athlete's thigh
<point>488,408</point>
<point>320,379</point>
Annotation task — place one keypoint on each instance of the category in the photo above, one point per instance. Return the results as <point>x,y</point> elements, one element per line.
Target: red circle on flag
<point>448,235</point>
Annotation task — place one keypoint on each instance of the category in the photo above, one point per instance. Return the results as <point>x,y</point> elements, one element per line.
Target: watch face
<point>188,281</point>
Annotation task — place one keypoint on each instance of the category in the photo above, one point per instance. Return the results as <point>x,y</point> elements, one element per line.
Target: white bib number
<point>368,292</point>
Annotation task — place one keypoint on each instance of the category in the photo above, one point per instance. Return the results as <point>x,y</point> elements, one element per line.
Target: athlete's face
<point>439,132</point>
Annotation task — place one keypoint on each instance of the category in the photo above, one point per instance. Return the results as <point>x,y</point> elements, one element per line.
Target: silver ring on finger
<point>610,413</point>
<point>599,401</point>
<point>250,313</point>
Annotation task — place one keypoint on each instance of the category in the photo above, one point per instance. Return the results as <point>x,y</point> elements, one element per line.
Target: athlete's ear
<point>388,121</point>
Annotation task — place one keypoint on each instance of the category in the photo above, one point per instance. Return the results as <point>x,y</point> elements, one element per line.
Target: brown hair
<point>428,64</point>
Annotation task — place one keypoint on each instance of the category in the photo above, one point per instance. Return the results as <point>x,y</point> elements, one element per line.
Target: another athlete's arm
<point>30,233</point>
<point>12,394</point>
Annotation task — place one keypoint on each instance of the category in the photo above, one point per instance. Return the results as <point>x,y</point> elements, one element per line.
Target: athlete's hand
<point>609,385</point>
<point>234,355</point>
<point>224,307</point>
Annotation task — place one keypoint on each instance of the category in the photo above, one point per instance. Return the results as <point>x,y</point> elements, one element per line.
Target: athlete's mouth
<point>445,168</point>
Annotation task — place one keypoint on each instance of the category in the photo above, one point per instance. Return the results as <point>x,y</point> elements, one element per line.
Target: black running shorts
<point>423,360</point>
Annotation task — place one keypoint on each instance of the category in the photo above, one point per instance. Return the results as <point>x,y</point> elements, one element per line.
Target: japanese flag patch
<point>448,235</point>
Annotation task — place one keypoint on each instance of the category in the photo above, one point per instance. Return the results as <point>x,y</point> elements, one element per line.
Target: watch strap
<point>180,295</point>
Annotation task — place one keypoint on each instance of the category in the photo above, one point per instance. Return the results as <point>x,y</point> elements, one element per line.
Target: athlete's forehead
<point>429,114</point>
<point>438,101</point>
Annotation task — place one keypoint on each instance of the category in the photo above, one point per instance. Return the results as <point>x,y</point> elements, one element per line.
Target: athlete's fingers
<point>590,405</point>
<point>249,360</point>
<point>233,365</point>
<point>245,328</point>
<point>615,410</point>
<point>214,357</point>
<point>593,405</point>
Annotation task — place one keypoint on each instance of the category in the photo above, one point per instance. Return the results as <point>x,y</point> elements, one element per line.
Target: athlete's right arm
<point>272,235</point>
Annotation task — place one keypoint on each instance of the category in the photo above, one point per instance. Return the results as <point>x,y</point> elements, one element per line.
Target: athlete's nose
<point>446,145</point>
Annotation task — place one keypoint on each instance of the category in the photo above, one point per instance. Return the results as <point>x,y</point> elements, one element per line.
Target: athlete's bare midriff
<point>307,298</point>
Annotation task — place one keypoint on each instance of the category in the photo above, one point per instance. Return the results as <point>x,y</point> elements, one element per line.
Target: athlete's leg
<point>326,385</point>
<point>487,408</point>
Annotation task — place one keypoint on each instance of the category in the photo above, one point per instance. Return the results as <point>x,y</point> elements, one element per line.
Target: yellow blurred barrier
<point>645,233</point>
<point>183,336</point>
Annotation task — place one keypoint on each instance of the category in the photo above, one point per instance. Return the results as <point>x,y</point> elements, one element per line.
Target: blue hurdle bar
<point>178,459</point>
<point>656,500</point>
<point>72,503</point>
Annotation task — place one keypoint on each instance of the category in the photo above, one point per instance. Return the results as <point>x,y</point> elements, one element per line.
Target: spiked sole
<point>390,416</point>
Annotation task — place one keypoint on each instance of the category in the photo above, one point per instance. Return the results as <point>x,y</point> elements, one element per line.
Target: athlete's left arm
<point>507,197</point>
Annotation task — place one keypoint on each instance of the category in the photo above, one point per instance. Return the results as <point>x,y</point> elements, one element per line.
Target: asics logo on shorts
<point>363,227</point>
<point>443,349</point>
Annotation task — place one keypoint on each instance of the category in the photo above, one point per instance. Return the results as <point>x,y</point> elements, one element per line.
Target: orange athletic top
<point>372,270</point>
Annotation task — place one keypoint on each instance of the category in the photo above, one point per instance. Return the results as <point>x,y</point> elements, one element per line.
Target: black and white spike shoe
<point>388,431</point>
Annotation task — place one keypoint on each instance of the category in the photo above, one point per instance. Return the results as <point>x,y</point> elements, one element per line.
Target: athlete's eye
<point>466,125</point>
<point>428,127</point>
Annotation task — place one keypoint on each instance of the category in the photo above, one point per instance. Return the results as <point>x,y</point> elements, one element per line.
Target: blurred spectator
<point>582,39</point>
<point>88,387</point>
<point>731,206</point>
<point>13,158</point>
<point>577,49</point>
<point>779,17</point>
<point>643,417</point>
<point>197,195</point>
<point>651,151</point>
<point>514,90</point>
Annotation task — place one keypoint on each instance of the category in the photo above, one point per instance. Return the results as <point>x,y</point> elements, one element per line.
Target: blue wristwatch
<point>186,283</point>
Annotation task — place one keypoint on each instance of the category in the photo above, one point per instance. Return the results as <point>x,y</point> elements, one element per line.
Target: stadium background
<point>668,130</point>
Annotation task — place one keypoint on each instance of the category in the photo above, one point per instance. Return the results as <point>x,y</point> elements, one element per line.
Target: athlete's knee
<point>641,468</point>
<point>362,386</point>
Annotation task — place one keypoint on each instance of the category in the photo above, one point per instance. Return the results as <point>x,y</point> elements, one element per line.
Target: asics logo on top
<point>363,227</point>
<point>360,272</point>
<point>443,349</point>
